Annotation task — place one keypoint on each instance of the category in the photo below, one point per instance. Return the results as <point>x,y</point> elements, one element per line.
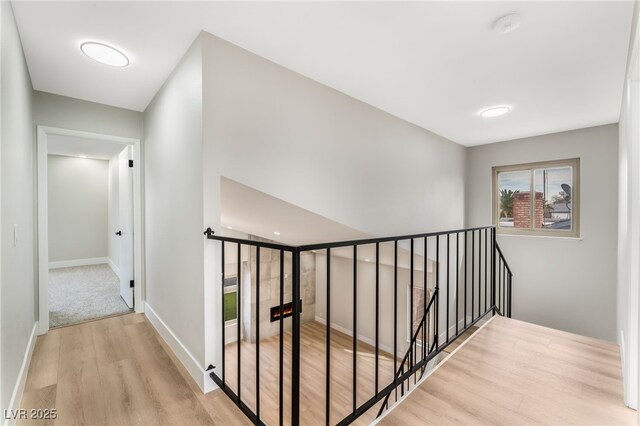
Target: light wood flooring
<point>118,371</point>
<point>511,372</point>
<point>460,340</point>
<point>312,375</point>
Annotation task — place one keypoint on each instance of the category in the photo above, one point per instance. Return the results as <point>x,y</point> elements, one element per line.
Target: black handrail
<point>490,281</point>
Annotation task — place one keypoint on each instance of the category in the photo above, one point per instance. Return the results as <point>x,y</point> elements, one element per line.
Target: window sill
<point>550,237</point>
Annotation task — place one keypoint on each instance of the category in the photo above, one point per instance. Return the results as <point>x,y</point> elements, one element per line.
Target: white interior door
<point>125,183</point>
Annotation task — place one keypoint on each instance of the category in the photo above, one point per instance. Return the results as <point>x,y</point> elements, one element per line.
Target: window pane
<point>513,199</point>
<point>230,306</point>
<point>553,198</point>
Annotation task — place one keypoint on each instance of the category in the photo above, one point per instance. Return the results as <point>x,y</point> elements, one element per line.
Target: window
<point>418,312</point>
<point>554,208</point>
<point>230,299</point>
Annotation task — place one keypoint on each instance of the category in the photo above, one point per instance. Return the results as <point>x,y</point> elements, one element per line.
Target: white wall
<point>629,221</point>
<point>342,299</point>
<point>173,198</point>
<point>69,113</point>
<point>78,208</point>
<point>274,130</point>
<point>568,284</point>
<point>113,241</point>
<point>17,169</point>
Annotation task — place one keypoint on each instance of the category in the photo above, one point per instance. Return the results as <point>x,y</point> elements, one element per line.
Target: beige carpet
<point>82,293</point>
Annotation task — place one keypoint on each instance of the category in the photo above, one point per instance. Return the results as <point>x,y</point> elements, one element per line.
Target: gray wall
<point>173,198</point>
<point>568,284</point>
<point>227,112</point>
<point>17,153</point>
<point>78,208</point>
<point>69,113</point>
<point>279,132</point>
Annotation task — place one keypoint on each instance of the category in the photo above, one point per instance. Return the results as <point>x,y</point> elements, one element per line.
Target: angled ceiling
<point>434,64</point>
<point>245,210</point>
<point>253,212</point>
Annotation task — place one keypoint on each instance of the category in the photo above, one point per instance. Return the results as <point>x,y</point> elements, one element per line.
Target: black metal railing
<point>452,279</point>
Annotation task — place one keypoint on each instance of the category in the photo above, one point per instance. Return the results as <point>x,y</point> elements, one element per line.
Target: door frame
<point>43,217</point>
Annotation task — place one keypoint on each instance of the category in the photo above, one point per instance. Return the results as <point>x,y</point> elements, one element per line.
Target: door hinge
<point>131,283</point>
<point>130,163</point>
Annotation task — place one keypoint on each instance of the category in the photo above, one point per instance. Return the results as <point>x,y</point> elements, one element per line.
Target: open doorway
<point>88,212</point>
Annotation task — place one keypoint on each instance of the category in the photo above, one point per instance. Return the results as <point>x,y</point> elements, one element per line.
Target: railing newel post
<point>493,268</point>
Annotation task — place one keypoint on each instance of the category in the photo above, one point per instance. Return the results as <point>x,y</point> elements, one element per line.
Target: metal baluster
<point>473,273</point>
<point>425,333</point>
<point>493,269</point>
<point>295,342</point>
<point>436,332</point>
<point>239,320</point>
<point>281,341</point>
<point>448,292</point>
<point>355,327</point>
<point>395,316</point>
<point>486,255</point>
<point>258,335</point>
<point>457,280</point>
<point>224,347</point>
<point>466,273</point>
<point>377,314</point>
<point>328,351</point>
<point>411,305</point>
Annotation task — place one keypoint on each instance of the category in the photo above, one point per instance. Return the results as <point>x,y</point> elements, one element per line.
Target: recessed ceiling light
<point>104,54</point>
<point>276,233</point>
<point>507,23</point>
<point>494,111</point>
<point>229,227</point>
<point>82,156</point>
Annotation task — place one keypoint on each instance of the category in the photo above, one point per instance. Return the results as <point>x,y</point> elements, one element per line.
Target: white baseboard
<point>113,267</point>
<point>189,362</point>
<point>452,329</point>
<point>18,389</point>
<point>78,262</point>
<point>348,332</point>
<point>231,332</point>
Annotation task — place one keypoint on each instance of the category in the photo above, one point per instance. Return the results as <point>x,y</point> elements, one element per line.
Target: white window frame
<point>574,232</point>
<point>409,328</point>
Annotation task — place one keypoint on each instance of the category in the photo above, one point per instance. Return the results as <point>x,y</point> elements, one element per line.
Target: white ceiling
<point>435,64</point>
<point>75,147</point>
<point>253,212</point>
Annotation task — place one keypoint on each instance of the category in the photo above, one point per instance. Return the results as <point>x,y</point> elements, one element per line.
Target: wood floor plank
<point>512,372</point>
<point>79,398</point>
<point>43,369</point>
<point>43,398</point>
<point>165,383</point>
<point>119,371</point>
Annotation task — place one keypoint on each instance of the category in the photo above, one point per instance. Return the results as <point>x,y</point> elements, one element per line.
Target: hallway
<point>117,371</point>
